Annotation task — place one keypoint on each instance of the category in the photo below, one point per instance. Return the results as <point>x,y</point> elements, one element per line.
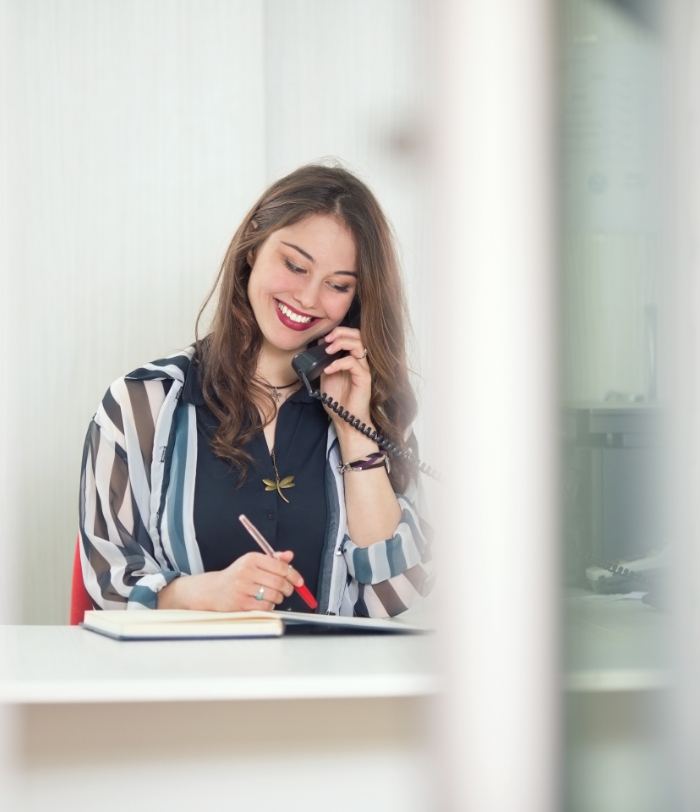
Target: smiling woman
<point>181,446</point>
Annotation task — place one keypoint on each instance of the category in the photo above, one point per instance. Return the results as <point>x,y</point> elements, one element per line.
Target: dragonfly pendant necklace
<point>278,484</point>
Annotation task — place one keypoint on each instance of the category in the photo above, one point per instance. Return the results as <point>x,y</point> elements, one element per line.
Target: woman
<point>181,446</point>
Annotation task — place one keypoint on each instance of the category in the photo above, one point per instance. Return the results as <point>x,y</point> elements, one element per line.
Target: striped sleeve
<point>121,567</point>
<point>395,573</point>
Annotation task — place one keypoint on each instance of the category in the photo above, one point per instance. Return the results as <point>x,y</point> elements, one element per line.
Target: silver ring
<point>364,354</point>
<point>260,594</point>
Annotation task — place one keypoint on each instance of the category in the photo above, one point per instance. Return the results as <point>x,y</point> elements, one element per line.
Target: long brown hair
<point>228,354</point>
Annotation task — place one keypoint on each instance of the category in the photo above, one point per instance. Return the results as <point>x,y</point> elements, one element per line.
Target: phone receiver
<point>309,364</point>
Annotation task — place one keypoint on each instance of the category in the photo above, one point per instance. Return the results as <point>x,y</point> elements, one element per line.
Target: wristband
<point>375,460</point>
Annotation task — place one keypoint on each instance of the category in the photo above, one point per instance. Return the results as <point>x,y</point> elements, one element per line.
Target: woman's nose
<point>306,295</point>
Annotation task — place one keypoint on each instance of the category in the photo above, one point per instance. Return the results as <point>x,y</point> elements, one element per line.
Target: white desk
<point>218,724</point>
<point>328,723</point>
<point>618,680</point>
<point>614,644</point>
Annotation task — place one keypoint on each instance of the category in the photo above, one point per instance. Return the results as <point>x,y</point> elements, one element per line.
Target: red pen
<point>302,591</point>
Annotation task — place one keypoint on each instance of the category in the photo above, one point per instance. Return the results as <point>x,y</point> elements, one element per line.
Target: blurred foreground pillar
<point>10,364</point>
<point>495,306</point>
<point>682,361</point>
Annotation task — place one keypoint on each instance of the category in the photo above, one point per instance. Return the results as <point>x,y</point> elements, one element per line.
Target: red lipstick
<point>293,325</point>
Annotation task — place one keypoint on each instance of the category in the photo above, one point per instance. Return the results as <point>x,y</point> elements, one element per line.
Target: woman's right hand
<point>237,585</point>
<point>233,589</point>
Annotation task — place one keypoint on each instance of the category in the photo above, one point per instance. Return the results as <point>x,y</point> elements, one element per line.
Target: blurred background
<point>537,163</point>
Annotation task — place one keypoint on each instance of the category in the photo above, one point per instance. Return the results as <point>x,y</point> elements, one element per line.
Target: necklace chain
<point>274,463</point>
<point>279,482</point>
<point>276,393</point>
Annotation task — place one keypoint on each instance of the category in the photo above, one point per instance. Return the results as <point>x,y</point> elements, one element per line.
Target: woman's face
<point>303,281</point>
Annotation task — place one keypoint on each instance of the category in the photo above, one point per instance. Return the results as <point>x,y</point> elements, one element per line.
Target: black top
<point>300,451</point>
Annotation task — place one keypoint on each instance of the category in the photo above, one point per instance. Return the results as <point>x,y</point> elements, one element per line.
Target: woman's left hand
<point>348,380</point>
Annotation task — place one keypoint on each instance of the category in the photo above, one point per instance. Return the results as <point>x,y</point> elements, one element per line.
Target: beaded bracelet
<point>374,460</point>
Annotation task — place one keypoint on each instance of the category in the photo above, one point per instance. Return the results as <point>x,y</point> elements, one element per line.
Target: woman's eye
<point>293,268</point>
<point>296,269</point>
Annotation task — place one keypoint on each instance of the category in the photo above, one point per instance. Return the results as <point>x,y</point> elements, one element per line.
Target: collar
<point>192,387</point>
<point>172,367</point>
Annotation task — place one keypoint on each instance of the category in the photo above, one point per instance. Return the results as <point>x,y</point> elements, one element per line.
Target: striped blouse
<point>137,489</point>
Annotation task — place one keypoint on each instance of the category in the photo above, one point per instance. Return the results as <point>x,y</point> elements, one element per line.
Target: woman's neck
<point>275,366</point>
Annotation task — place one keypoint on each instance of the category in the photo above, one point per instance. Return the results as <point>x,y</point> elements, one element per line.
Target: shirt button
<point>270,515</point>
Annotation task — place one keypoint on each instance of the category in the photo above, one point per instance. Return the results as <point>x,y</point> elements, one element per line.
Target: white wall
<point>349,79</point>
<point>139,133</point>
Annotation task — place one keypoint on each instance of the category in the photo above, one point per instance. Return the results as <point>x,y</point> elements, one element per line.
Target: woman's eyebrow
<point>300,250</point>
<point>311,259</point>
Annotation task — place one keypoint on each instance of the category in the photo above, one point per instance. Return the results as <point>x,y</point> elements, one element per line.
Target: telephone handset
<point>309,364</point>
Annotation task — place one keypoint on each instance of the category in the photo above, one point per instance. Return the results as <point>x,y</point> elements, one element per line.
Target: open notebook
<point>187,624</point>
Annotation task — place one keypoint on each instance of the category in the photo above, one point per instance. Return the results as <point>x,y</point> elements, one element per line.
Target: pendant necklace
<point>288,481</point>
<point>278,484</point>
<point>276,393</point>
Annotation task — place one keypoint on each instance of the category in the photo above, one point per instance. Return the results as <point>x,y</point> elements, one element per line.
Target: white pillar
<point>682,360</point>
<point>10,400</point>
<point>495,315</point>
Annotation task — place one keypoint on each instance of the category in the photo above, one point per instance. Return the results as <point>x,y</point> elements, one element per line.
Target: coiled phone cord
<point>384,443</point>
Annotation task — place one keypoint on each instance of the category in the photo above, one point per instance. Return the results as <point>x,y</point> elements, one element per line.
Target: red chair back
<point>79,599</point>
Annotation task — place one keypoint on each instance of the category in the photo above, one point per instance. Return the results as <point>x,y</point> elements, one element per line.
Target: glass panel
<point>614,555</point>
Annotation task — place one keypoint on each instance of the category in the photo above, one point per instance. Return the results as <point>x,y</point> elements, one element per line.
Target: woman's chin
<point>289,345</point>
<point>293,341</point>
